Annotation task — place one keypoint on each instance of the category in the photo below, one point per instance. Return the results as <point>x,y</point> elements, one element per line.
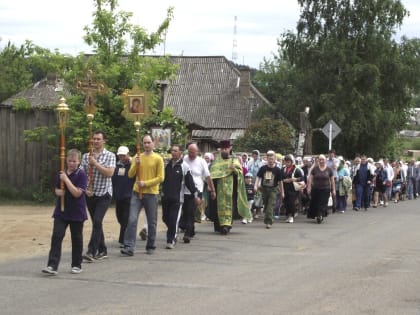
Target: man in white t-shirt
<point>390,176</point>
<point>200,172</point>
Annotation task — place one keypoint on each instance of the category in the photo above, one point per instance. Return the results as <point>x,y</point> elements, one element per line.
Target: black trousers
<point>188,215</point>
<point>170,216</point>
<point>97,207</point>
<point>59,231</point>
<point>122,211</point>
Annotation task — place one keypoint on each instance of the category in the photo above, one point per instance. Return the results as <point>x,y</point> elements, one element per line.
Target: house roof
<point>210,93</point>
<point>45,93</point>
<point>207,92</point>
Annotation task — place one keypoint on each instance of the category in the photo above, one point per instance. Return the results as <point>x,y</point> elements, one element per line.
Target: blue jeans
<point>411,187</point>
<point>150,204</point>
<point>362,196</point>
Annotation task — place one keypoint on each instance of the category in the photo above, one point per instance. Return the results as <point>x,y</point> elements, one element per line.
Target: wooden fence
<point>25,163</point>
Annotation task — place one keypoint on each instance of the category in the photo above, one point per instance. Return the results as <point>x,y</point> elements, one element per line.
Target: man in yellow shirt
<point>151,175</point>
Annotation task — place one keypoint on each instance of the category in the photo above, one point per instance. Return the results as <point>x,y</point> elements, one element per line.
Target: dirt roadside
<point>25,231</point>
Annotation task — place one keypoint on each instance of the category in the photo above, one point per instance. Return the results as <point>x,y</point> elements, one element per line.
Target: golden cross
<point>89,87</point>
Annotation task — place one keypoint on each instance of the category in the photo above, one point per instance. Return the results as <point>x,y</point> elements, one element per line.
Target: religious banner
<point>162,137</point>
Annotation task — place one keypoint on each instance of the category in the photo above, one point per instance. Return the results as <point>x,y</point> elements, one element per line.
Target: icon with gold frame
<point>135,104</point>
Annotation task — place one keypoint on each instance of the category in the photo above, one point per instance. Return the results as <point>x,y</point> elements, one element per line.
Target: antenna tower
<point>235,43</point>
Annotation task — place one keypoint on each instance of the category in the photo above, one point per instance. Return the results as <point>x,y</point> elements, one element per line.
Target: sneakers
<point>143,234</point>
<point>295,215</point>
<point>319,219</point>
<point>89,257</point>
<point>102,255</point>
<point>186,239</point>
<point>76,270</point>
<point>289,219</point>
<point>276,217</point>
<point>250,220</point>
<point>244,221</point>
<point>150,251</point>
<point>127,252</point>
<point>170,246</point>
<point>268,226</point>
<point>50,270</point>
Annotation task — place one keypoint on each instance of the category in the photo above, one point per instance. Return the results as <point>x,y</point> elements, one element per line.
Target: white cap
<point>123,150</point>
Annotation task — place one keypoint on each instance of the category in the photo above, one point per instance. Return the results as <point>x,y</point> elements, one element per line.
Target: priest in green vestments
<point>228,178</point>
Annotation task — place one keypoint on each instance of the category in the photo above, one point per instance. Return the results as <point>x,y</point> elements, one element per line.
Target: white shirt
<point>389,172</point>
<point>199,171</point>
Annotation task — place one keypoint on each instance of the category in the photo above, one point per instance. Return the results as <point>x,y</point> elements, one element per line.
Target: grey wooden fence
<point>23,164</point>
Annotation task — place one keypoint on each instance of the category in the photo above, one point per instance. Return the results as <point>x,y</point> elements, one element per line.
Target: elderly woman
<point>380,184</point>
<point>320,186</point>
<point>343,185</point>
<point>290,173</point>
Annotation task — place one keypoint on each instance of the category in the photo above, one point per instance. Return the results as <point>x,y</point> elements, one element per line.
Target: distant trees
<point>344,64</point>
<point>119,61</point>
<point>267,134</point>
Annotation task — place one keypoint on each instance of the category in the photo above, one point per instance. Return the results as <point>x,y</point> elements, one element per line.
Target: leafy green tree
<point>266,134</point>
<point>21,67</point>
<point>345,65</point>
<point>119,62</point>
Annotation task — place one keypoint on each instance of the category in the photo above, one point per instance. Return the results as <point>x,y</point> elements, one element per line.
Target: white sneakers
<point>51,271</point>
<point>76,270</point>
<point>289,219</point>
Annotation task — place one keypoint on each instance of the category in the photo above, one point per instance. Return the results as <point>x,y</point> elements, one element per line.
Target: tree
<point>120,63</point>
<point>117,62</point>
<point>345,63</point>
<point>20,67</point>
<point>266,134</point>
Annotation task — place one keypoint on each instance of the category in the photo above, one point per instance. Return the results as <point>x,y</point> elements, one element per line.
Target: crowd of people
<point>215,186</point>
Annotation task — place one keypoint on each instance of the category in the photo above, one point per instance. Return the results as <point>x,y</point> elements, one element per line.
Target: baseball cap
<point>123,150</point>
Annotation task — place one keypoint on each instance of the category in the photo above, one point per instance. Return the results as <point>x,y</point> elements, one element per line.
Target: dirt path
<point>26,230</point>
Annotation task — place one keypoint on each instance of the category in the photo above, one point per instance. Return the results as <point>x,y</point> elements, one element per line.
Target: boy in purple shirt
<point>73,214</point>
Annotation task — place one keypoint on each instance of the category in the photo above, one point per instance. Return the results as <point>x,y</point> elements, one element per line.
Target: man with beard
<point>228,179</point>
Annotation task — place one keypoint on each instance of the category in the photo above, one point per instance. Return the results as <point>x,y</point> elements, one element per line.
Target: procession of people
<point>230,187</point>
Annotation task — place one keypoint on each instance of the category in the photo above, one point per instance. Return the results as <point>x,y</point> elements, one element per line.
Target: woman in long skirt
<point>320,186</point>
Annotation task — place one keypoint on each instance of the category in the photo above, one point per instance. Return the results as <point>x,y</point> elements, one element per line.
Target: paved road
<point>353,263</point>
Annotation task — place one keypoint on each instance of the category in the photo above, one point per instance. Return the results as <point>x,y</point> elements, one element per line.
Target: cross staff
<point>90,88</point>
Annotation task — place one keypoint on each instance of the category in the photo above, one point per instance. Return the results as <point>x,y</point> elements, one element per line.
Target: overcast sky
<point>199,28</point>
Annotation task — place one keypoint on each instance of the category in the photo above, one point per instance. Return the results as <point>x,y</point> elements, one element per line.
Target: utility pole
<point>235,43</point>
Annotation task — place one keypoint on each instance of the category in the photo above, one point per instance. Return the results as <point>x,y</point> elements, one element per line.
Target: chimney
<point>245,82</point>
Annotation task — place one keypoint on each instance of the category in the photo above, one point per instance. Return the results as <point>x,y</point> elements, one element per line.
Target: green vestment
<point>223,173</point>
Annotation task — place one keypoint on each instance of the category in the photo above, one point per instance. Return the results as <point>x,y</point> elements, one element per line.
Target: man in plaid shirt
<point>99,193</point>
